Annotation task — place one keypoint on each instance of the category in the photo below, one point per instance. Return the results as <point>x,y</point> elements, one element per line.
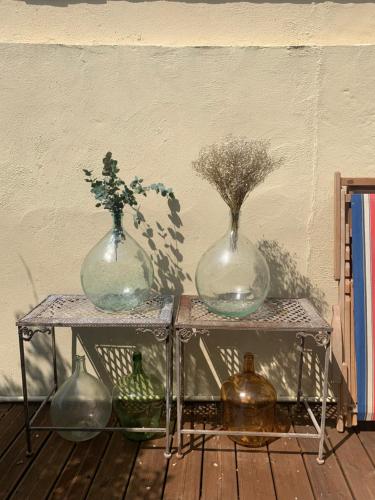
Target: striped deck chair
<point>353,339</point>
<point>363,261</point>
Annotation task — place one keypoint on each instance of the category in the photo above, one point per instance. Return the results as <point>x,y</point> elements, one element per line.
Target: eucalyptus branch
<point>112,193</point>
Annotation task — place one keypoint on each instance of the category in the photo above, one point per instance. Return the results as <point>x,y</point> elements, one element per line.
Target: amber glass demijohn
<point>249,404</point>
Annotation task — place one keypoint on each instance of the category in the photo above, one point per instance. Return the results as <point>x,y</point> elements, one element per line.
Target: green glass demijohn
<point>138,401</point>
<point>117,274</point>
<point>82,401</point>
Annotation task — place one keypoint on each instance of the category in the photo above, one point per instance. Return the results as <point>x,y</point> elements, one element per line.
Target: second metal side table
<point>154,317</point>
<point>296,316</point>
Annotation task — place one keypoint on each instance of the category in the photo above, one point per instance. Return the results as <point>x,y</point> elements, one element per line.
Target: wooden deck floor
<point>109,467</point>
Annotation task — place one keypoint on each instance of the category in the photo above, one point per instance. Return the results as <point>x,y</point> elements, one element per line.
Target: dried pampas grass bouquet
<point>232,277</point>
<point>235,167</point>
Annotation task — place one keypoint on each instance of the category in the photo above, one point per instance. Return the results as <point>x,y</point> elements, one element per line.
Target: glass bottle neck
<point>248,363</point>
<point>137,363</point>
<point>117,217</point>
<point>80,364</point>
<point>234,224</point>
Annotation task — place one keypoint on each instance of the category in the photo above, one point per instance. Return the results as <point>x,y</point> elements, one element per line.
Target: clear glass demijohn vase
<point>117,274</point>
<point>82,401</point>
<point>232,276</point>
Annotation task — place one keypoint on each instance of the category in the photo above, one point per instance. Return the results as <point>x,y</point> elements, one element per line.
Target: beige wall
<point>194,22</point>
<point>62,106</point>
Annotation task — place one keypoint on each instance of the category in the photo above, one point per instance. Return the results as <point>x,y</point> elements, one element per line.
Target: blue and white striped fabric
<point>363,260</point>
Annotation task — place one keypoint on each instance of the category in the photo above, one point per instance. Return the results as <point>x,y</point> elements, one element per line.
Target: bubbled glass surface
<point>117,274</point>
<point>138,401</point>
<point>249,404</point>
<point>232,276</point>
<point>82,401</point>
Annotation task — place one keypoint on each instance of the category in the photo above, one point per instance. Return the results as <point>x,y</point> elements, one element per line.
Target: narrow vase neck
<point>234,225</point>
<point>248,363</point>
<point>80,364</point>
<point>117,217</point>
<point>137,363</point>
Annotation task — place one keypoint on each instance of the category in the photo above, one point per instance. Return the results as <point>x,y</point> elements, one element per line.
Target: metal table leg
<point>53,342</point>
<point>326,344</point>
<point>179,391</point>
<point>300,348</point>
<point>168,384</point>
<point>24,390</point>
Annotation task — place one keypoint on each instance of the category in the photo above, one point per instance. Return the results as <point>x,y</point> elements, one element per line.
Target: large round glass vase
<point>82,401</point>
<point>117,274</point>
<point>232,277</point>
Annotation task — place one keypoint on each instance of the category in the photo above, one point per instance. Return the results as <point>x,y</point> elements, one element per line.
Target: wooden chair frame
<point>343,346</point>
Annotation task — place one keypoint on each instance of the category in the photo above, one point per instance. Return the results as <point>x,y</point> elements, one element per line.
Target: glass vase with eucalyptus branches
<point>117,274</point>
<point>232,277</point>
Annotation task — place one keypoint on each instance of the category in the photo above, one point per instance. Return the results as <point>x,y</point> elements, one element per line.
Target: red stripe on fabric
<point>372,249</point>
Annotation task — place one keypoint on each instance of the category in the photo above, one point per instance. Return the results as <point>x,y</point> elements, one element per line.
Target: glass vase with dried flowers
<point>232,277</point>
<point>117,274</point>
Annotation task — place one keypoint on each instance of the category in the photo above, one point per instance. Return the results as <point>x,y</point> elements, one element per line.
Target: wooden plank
<point>80,469</point>
<point>327,480</point>
<point>254,474</point>
<point>348,343</point>
<point>358,181</point>
<point>184,474</point>
<point>114,471</point>
<point>288,469</point>
<point>4,408</point>
<point>347,233</point>
<point>15,462</point>
<point>353,361</point>
<point>347,252</point>
<point>219,477</point>
<point>355,463</point>
<point>12,424</point>
<point>348,271</point>
<point>148,476</point>
<point>344,391</point>
<point>366,434</point>
<point>337,228</point>
<point>45,470</point>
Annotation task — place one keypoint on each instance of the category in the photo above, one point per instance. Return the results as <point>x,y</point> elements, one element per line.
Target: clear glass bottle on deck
<point>82,401</point>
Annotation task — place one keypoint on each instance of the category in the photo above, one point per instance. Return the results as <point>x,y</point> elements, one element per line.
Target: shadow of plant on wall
<point>167,259</point>
<point>286,280</point>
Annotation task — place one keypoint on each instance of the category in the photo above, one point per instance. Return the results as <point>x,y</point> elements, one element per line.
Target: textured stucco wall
<point>79,78</point>
<point>62,107</point>
<point>191,22</point>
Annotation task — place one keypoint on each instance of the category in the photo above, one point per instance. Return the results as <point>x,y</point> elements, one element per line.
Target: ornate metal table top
<point>297,315</point>
<point>77,310</point>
